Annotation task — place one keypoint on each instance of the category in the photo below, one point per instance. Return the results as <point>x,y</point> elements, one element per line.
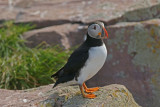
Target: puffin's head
<point>97,30</point>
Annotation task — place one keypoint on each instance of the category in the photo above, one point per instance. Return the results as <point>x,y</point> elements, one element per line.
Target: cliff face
<point>108,96</point>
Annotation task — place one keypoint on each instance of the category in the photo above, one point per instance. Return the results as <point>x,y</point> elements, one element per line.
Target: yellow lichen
<point>66,97</point>
<point>114,94</point>
<point>149,45</point>
<point>154,81</point>
<point>150,71</point>
<point>152,32</point>
<point>102,105</point>
<point>156,37</point>
<point>49,105</point>
<point>157,46</point>
<point>154,51</point>
<point>123,91</point>
<point>78,93</point>
<point>117,91</point>
<point>156,25</point>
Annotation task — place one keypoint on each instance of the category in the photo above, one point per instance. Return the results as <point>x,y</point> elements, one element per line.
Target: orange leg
<point>90,90</point>
<point>86,95</point>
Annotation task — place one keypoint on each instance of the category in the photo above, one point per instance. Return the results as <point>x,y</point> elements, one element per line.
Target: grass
<point>22,67</point>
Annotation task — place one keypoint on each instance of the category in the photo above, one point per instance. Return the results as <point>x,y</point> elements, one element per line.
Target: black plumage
<point>76,61</point>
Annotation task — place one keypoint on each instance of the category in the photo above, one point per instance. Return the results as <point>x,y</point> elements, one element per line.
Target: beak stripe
<point>105,32</point>
<point>99,33</point>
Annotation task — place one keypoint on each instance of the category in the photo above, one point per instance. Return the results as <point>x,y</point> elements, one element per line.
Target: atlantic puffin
<point>85,61</point>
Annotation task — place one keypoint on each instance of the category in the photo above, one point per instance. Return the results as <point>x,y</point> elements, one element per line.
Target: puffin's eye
<point>94,27</point>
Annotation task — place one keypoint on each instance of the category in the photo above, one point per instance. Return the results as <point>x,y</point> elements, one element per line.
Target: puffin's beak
<point>106,33</point>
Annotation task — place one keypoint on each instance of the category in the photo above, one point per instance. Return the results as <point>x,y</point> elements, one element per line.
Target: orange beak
<point>106,33</point>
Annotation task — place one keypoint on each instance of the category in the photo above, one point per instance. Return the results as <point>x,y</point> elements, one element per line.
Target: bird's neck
<point>92,42</point>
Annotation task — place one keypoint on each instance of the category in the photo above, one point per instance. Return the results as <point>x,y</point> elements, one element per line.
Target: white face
<point>96,30</point>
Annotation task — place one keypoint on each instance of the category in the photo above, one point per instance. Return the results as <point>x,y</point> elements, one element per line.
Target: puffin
<point>85,61</point>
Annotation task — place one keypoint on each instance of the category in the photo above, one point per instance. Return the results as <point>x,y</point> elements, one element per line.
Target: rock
<point>108,96</point>
<point>23,3</point>
<point>24,98</point>
<point>67,35</point>
<point>85,11</point>
<point>133,60</point>
<point>147,13</point>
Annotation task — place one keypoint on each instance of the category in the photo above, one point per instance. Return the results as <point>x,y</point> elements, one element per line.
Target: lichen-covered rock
<point>108,96</point>
<point>133,60</point>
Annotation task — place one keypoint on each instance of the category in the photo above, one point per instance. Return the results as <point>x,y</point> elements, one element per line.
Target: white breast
<point>96,59</point>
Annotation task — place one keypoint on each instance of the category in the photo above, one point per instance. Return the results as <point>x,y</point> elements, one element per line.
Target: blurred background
<point>37,37</point>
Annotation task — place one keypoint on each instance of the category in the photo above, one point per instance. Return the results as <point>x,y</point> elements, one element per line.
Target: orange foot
<point>90,90</point>
<point>89,96</point>
<point>86,95</point>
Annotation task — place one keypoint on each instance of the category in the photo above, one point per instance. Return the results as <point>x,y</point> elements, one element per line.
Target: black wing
<point>75,62</point>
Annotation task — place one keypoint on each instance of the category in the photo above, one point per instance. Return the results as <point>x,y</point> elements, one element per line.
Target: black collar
<point>92,42</point>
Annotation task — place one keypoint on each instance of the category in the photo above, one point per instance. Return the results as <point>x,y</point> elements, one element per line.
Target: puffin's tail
<point>56,76</point>
<point>57,73</point>
<point>57,82</point>
<point>55,85</point>
<point>63,79</point>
